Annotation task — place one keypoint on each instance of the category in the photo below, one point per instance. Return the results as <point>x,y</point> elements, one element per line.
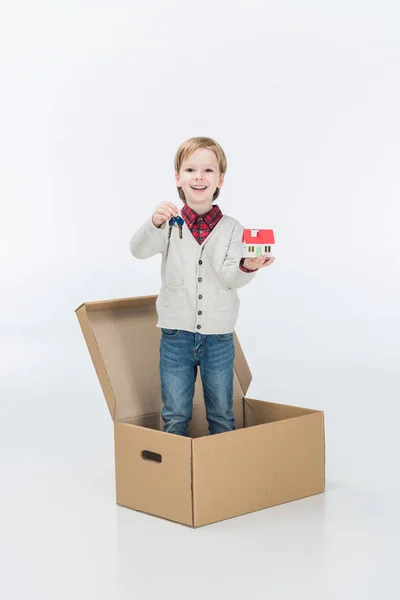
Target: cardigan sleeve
<point>148,240</point>
<point>232,275</point>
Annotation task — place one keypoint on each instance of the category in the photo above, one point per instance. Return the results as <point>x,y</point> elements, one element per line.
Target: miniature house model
<point>256,242</point>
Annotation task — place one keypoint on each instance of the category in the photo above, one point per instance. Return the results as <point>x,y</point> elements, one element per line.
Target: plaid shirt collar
<point>211,218</point>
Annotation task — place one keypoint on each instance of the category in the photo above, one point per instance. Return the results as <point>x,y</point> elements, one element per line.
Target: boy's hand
<point>258,263</point>
<point>163,212</point>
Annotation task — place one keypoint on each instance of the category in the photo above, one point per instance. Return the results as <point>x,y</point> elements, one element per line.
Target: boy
<point>198,304</point>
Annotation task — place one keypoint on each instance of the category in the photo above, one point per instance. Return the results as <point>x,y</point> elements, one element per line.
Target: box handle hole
<point>153,456</point>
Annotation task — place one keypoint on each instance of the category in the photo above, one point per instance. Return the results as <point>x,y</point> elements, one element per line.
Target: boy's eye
<point>190,169</point>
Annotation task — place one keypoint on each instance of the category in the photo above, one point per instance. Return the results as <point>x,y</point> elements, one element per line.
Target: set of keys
<point>178,221</point>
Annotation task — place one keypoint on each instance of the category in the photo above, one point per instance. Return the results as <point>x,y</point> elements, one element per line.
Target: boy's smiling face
<point>199,169</point>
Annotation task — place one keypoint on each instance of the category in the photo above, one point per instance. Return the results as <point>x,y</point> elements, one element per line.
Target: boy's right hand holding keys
<point>163,212</point>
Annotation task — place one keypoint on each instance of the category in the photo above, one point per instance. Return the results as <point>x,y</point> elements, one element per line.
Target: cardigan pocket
<point>224,300</point>
<point>174,295</point>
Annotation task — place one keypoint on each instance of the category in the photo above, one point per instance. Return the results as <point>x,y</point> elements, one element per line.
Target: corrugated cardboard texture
<point>249,469</point>
<point>257,412</point>
<point>124,343</point>
<point>161,488</point>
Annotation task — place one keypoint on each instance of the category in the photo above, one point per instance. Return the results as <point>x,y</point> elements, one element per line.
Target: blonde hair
<point>192,144</point>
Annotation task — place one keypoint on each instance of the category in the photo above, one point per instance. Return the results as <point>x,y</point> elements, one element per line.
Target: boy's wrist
<point>158,226</point>
<point>243,268</point>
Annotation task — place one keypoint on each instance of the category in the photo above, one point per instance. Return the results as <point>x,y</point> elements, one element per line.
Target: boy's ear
<point>221,179</point>
<point>177,177</point>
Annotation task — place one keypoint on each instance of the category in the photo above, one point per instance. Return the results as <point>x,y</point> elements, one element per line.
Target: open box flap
<point>124,344</point>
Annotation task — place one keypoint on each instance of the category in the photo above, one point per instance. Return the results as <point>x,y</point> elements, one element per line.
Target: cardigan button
<point>199,312</point>
<point>200,262</point>
<point>199,279</point>
<point>200,296</point>
<point>198,326</point>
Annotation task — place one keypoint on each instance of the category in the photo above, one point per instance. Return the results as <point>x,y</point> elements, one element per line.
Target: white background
<point>95,98</point>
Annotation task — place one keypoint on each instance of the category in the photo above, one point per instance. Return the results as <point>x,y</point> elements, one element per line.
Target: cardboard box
<point>276,454</point>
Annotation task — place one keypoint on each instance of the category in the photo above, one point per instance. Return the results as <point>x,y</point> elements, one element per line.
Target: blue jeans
<point>181,352</point>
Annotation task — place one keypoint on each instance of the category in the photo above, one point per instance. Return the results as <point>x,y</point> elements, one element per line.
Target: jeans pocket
<point>225,337</point>
<point>169,332</point>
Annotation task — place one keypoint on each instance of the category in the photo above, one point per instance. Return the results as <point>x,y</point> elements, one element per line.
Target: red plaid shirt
<point>202,225</point>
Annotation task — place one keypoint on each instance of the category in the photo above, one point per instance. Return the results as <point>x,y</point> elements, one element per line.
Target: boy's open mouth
<point>198,190</point>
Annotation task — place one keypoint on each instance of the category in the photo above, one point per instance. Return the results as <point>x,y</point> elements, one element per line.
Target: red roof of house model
<point>264,236</point>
